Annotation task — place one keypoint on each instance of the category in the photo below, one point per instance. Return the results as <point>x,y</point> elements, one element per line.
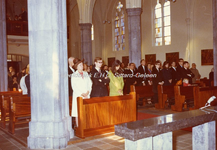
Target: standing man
<point>186,73</point>
<point>100,79</point>
<point>130,78</point>
<point>142,71</point>
<point>195,72</point>
<point>70,72</point>
<point>180,69</point>
<point>174,72</point>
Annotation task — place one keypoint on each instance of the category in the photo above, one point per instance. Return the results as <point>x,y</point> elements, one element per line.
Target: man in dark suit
<point>186,73</point>
<point>180,69</point>
<point>129,77</point>
<point>174,72</point>
<point>100,80</point>
<point>70,72</point>
<point>158,79</point>
<point>141,74</point>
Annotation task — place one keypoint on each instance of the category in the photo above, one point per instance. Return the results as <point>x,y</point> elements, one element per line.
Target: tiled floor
<point>181,139</point>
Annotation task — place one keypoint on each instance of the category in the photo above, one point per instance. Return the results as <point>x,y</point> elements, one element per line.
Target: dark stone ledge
<point>154,126</point>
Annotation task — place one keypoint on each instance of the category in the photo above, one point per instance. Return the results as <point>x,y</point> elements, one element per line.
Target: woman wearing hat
<point>81,85</point>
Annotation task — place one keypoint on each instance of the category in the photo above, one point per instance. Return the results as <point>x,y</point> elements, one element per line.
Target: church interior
<point>125,30</point>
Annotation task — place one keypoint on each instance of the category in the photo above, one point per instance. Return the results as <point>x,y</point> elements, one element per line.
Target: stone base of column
<point>49,135</point>
<point>140,144</point>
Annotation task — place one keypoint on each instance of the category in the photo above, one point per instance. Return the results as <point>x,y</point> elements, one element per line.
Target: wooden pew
<point>4,109</point>
<point>164,93</point>
<point>201,96</point>
<point>19,111</point>
<point>98,115</point>
<point>182,95</point>
<point>142,92</point>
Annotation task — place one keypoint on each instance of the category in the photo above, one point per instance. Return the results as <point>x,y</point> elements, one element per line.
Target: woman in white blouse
<point>81,85</point>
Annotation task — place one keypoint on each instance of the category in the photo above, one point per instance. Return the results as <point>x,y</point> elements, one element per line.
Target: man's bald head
<point>70,60</point>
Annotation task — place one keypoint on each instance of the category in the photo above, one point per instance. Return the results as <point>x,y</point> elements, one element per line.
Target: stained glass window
<point>119,38</point>
<point>162,24</point>
<point>92,32</point>
<point>167,23</point>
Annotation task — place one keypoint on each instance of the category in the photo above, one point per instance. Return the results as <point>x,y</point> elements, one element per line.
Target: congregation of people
<point>99,80</point>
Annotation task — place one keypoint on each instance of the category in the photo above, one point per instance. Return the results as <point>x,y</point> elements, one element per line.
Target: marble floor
<point>181,138</point>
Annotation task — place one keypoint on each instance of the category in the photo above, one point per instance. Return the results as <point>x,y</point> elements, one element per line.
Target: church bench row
<point>143,92</point>
<point>19,111</point>
<point>4,105</point>
<point>98,115</point>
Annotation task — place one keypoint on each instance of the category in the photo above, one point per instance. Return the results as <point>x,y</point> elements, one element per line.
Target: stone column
<point>134,25</point>
<point>50,126</point>
<point>3,48</point>
<point>86,42</point>
<point>214,9</point>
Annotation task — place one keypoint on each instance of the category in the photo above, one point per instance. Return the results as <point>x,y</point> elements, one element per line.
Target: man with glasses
<point>100,79</point>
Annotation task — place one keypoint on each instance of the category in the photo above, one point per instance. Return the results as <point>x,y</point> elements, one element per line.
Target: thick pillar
<point>3,48</point>
<point>86,42</point>
<point>134,29</point>
<point>214,9</point>
<point>50,126</point>
<point>204,136</point>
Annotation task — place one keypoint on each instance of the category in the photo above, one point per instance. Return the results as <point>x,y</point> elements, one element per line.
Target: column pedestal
<point>3,48</point>
<point>50,126</point>
<point>86,42</point>
<point>134,28</point>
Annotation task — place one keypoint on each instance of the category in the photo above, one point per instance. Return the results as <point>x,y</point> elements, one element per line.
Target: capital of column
<point>85,26</point>
<point>134,11</point>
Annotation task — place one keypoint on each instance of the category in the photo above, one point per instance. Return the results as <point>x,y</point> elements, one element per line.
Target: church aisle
<point>181,138</point>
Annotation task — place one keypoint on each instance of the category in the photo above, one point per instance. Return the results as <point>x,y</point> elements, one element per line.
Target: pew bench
<point>165,95</point>
<point>19,111</point>
<point>183,95</point>
<point>202,94</point>
<point>98,115</point>
<point>4,108</point>
<point>144,92</point>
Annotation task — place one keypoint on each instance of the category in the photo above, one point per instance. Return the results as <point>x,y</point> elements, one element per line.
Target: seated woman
<point>81,85</point>
<point>116,84</point>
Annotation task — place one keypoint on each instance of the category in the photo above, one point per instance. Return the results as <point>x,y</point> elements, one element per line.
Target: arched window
<point>162,24</point>
<point>119,36</point>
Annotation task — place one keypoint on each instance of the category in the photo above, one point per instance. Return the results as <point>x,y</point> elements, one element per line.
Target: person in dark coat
<point>158,79</point>
<point>186,73</point>
<point>211,76</point>
<point>129,77</point>
<point>167,75</point>
<point>71,70</point>
<point>100,79</point>
<point>180,69</point>
<point>174,72</point>
<point>141,74</point>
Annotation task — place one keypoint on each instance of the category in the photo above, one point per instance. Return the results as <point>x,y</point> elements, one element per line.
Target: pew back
<point>99,114</point>
<point>19,111</point>
<point>164,93</point>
